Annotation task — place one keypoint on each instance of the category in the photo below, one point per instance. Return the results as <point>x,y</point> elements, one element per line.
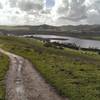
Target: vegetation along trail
<point>23,82</point>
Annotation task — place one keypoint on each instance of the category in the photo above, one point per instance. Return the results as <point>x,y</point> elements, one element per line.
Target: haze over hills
<point>47,29</point>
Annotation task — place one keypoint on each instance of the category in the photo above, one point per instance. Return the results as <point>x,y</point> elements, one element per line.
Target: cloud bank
<point>53,12</point>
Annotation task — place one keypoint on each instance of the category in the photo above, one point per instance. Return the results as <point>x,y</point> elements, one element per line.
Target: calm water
<point>84,43</point>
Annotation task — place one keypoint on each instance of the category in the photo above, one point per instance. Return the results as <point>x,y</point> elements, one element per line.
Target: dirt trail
<point>23,82</point>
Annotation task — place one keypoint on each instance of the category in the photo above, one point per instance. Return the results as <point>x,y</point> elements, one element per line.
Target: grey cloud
<point>64,9</point>
<point>75,19</point>
<point>94,19</point>
<point>29,5</point>
<point>24,10</point>
<point>94,16</point>
<point>96,5</point>
<point>1,6</point>
<point>13,3</point>
<point>77,10</point>
<point>45,12</point>
<point>26,5</point>
<point>73,10</point>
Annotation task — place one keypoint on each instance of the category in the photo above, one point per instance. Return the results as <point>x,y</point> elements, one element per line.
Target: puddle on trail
<point>19,82</point>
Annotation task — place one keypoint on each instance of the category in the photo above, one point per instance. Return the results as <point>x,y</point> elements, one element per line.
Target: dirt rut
<point>23,82</point>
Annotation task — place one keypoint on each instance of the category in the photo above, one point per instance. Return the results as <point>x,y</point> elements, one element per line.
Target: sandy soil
<point>23,82</point>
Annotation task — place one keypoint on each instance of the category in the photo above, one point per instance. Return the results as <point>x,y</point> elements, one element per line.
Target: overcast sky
<point>53,12</point>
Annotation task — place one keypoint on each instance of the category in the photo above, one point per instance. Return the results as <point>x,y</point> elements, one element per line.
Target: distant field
<point>12,28</point>
<point>74,74</point>
<point>3,71</point>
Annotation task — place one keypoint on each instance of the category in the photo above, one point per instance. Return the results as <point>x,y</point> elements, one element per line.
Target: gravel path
<point>23,82</point>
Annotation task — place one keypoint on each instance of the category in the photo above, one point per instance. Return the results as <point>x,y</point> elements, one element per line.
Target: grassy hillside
<point>3,71</point>
<point>74,74</point>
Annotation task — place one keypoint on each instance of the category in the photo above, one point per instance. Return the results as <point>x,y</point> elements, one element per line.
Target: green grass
<point>13,28</point>
<point>3,71</point>
<point>74,74</point>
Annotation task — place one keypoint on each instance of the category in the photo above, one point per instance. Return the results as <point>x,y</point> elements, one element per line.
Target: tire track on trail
<point>23,82</point>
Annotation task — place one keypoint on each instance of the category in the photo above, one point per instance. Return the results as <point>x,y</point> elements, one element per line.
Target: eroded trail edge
<point>23,82</point>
